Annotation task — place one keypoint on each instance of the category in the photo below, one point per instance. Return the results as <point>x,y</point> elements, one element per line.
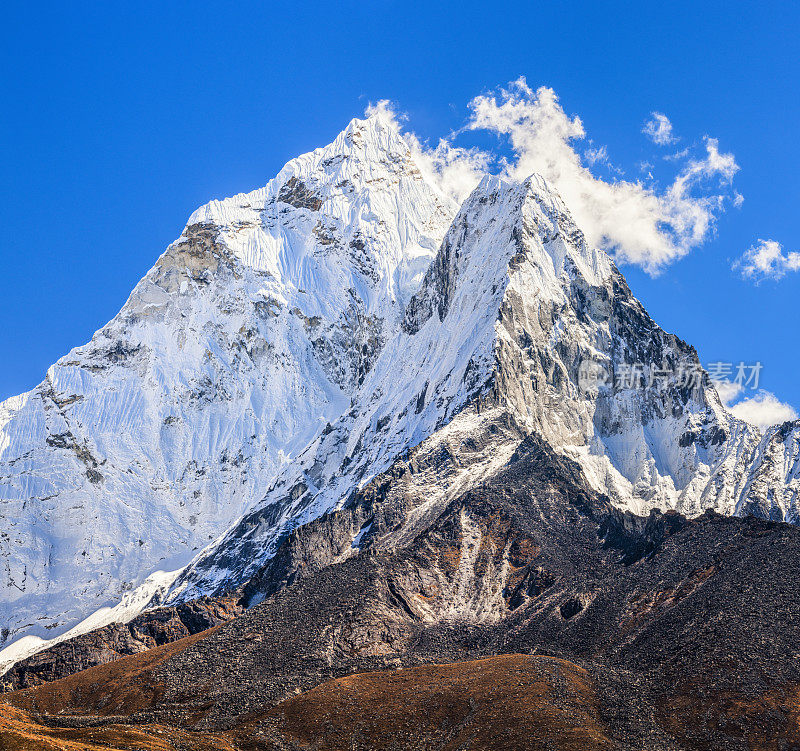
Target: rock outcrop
<point>110,643</point>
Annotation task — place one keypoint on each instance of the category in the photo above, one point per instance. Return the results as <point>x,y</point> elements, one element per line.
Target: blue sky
<point>120,120</point>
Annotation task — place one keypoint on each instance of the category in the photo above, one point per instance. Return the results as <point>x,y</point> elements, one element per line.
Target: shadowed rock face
<point>681,632</point>
<point>104,645</point>
<point>296,193</point>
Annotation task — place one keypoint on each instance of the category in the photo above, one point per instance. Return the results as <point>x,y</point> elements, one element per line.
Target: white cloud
<point>596,156</point>
<point>728,391</point>
<point>712,164</point>
<point>766,260</point>
<point>454,170</point>
<point>659,129</point>
<point>638,223</point>
<point>635,222</point>
<point>678,156</point>
<point>763,410</point>
<point>384,109</point>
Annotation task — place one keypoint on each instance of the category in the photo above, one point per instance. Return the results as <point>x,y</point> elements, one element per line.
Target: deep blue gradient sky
<point>119,120</point>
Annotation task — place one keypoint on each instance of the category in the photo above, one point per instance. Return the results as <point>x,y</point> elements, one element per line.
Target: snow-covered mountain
<point>234,351</point>
<point>510,312</point>
<point>298,340</point>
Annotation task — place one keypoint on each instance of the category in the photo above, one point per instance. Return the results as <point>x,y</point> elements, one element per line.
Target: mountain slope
<point>510,313</point>
<point>503,703</point>
<point>233,352</point>
<point>298,341</point>
<point>662,633</point>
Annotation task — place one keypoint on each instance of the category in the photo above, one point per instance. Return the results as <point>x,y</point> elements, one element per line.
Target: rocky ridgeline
<point>104,645</point>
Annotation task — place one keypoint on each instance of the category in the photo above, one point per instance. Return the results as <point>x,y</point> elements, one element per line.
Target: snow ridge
<point>233,352</point>
<point>510,309</point>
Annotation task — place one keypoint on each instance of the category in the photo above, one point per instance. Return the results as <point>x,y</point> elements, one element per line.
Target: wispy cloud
<point>659,129</point>
<point>596,156</point>
<point>766,260</point>
<point>728,391</point>
<point>635,222</point>
<point>763,409</point>
<point>453,169</point>
<point>639,223</point>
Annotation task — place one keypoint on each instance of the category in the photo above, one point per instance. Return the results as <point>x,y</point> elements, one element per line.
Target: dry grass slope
<point>505,703</point>
<point>119,688</point>
<point>19,732</point>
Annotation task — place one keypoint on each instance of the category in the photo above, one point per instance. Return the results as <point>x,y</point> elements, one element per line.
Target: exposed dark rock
<point>104,645</point>
<point>686,629</point>
<point>297,194</point>
<point>571,608</point>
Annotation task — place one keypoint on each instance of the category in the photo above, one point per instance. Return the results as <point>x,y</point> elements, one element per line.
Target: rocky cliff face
<point>510,313</point>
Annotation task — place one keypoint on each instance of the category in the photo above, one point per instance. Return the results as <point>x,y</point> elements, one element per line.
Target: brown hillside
<point>505,703</point>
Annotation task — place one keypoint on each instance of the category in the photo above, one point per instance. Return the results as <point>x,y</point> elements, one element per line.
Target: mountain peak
<point>367,152</point>
<point>297,341</point>
<point>244,340</point>
<point>503,222</point>
<point>377,130</point>
<point>365,203</point>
